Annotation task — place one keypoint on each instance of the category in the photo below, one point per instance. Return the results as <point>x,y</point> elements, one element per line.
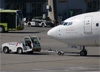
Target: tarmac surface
<point>46,61</point>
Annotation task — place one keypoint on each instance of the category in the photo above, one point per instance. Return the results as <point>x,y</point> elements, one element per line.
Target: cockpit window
<point>66,23</point>
<point>62,23</point>
<point>70,23</point>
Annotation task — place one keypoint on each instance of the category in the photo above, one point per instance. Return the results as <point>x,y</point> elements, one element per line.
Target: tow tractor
<point>30,44</point>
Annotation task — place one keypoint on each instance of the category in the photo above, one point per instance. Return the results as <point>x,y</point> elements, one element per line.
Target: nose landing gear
<point>83,52</point>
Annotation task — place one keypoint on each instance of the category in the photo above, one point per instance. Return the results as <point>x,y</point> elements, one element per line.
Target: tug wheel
<point>6,50</point>
<point>19,51</point>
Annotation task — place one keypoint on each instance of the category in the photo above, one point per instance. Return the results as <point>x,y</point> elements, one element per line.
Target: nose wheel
<point>83,52</point>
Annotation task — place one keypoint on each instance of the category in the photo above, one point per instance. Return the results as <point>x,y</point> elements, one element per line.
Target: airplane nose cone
<point>52,32</point>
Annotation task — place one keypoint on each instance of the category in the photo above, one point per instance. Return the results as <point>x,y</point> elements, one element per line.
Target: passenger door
<point>88,25</point>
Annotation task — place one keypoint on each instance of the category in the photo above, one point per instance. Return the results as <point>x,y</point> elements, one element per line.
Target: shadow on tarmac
<point>93,55</point>
<point>85,56</point>
<point>30,53</point>
<point>35,54</point>
<point>78,54</point>
<point>23,32</point>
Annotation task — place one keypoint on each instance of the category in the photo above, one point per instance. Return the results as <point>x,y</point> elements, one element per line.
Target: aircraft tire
<point>83,53</point>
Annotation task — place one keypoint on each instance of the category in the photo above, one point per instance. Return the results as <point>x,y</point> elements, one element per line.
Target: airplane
<point>80,30</point>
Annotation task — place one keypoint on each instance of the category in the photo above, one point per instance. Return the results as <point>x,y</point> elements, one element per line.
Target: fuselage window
<point>97,24</point>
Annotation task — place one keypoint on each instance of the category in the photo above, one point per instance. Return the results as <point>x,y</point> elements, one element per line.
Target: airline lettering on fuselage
<point>69,30</point>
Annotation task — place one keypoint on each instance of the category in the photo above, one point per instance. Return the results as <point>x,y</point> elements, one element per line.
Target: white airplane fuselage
<point>82,30</point>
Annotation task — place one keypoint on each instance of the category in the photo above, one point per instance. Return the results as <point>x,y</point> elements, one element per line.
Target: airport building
<point>68,8</point>
<point>55,9</point>
<point>30,8</point>
<point>93,5</point>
